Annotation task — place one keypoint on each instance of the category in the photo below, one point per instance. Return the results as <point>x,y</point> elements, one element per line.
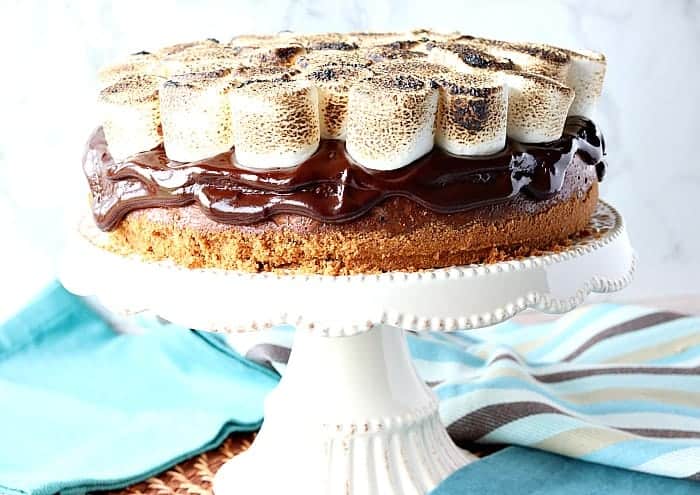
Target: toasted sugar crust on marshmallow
<point>132,89</point>
<point>390,120</point>
<point>383,53</point>
<point>364,39</point>
<point>333,83</point>
<point>248,74</point>
<point>180,47</point>
<point>401,44</point>
<point>142,63</point>
<point>328,41</point>
<point>320,58</point>
<point>284,56</point>
<point>429,34</point>
<point>198,66</point>
<point>420,68</point>
<point>185,86</point>
<point>472,114</point>
<point>537,107</point>
<point>199,58</point>
<point>540,79</point>
<point>276,123</point>
<point>130,112</point>
<point>584,54</point>
<point>539,50</point>
<point>466,57</point>
<point>254,40</point>
<point>532,57</point>
<point>586,75</point>
<point>405,39</point>
<point>196,115</point>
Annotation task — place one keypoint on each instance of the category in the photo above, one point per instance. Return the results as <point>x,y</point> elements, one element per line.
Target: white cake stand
<point>351,416</point>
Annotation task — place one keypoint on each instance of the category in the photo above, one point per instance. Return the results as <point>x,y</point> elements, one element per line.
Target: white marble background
<point>649,112</point>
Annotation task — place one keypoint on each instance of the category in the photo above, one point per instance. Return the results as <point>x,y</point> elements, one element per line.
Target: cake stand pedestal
<point>351,416</point>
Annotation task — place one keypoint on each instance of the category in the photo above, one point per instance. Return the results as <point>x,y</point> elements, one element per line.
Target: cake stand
<point>351,416</point>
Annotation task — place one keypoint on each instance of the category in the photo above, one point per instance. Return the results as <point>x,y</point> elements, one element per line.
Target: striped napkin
<point>610,384</point>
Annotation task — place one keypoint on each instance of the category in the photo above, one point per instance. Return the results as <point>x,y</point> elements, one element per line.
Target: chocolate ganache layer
<point>330,186</point>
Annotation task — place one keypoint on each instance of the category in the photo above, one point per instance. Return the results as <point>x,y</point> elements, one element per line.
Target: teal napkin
<point>521,471</point>
<point>83,408</point>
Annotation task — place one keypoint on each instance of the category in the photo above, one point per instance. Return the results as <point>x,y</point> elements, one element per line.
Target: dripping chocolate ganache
<point>330,186</point>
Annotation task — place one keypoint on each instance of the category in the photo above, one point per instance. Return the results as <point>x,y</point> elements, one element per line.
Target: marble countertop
<point>649,109</point>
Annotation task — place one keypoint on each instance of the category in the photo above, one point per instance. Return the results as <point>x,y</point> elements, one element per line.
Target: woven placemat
<point>194,476</point>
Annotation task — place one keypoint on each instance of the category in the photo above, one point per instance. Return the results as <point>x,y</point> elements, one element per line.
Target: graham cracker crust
<point>397,235</point>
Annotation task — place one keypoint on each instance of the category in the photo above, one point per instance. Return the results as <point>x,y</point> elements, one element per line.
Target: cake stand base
<point>350,416</point>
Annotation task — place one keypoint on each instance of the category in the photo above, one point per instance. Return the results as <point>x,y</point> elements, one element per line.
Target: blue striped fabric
<point>611,384</point>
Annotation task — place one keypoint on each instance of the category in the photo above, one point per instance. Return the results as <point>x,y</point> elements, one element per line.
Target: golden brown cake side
<point>397,235</point>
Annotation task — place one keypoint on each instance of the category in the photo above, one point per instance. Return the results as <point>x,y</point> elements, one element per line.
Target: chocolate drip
<point>330,186</point>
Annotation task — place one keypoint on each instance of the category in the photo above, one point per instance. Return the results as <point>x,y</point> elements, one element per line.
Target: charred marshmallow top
<point>391,97</point>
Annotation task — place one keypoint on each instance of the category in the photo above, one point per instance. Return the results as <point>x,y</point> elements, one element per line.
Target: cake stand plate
<point>350,416</point>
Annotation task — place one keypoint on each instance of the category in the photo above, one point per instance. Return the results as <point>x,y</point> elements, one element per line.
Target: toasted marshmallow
<point>142,63</point>
<point>365,40</point>
<point>530,57</point>
<point>180,47</point>
<point>276,123</point>
<point>201,58</point>
<point>254,40</point>
<point>333,84</point>
<point>586,75</point>
<point>472,114</point>
<point>248,74</point>
<point>196,115</point>
<point>390,121</point>
<point>321,58</point>
<point>390,95</point>
<point>466,58</point>
<point>420,68</point>
<point>328,41</point>
<point>131,115</point>
<point>537,107</point>
<point>538,58</point>
<point>430,35</point>
<point>283,56</point>
<point>383,53</point>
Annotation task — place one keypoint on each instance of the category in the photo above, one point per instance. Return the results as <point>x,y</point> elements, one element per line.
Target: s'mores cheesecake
<point>346,153</point>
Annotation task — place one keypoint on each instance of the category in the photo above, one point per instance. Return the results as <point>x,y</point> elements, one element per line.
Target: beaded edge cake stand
<point>351,416</point>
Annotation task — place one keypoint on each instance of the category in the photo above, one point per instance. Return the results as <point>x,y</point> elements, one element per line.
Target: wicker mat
<point>194,476</point>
